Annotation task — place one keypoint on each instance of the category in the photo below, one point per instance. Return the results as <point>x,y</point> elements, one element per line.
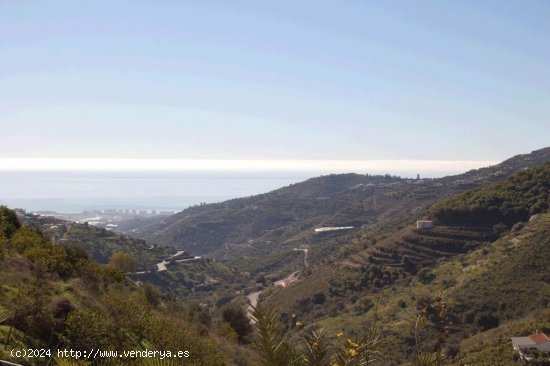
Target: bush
<point>318,298</point>
<point>499,229</point>
<point>63,308</point>
<point>425,276</point>
<point>124,262</point>
<point>239,321</point>
<point>86,329</point>
<point>152,294</point>
<point>26,238</point>
<point>487,320</point>
<point>8,222</point>
<point>518,226</point>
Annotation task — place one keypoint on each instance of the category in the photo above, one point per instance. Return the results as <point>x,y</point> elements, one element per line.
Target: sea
<point>78,191</point>
<point>74,192</point>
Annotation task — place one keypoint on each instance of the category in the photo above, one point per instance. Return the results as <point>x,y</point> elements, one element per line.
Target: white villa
<point>536,341</point>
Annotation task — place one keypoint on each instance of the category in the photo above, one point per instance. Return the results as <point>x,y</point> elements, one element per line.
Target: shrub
<point>318,298</point>
<point>239,321</point>
<point>8,222</point>
<point>487,320</point>
<point>425,276</point>
<point>124,262</point>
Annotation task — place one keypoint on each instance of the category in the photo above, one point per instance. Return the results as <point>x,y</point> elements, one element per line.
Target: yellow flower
<point>299,324</point>
<point>340,334</point>
<point>351,343</point>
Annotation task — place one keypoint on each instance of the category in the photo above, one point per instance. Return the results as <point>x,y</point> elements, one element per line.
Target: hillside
<point>514,200</point>
<point>55,296</point>
<point>283,218</point>
<point>489,275</point>
<point>471,277</point>
<point>464,222</point>
<point>99,243</point>
<point>184,276</point>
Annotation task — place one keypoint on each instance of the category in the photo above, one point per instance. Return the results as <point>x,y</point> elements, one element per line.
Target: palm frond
<point>317,351</point>
<point>4,315</point>
<point>69,362</point>
<point>272,346</point>
<point>160,362</point>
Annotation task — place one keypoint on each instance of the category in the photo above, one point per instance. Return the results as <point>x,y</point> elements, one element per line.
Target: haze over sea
<point>74,190</point>
<point>71,192</point>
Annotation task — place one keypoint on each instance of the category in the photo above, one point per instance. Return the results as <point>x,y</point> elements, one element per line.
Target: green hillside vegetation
<point>488,281</point>
<point>493,346</point>
<point>512,201</point>
<point>492,293</point>
<point>99,243</point>
<point>382,293</point>
<point>513,283</point>
<point>289,214</point>
<point>202,280</point>
<point>246,232</point>
<point>55,296</point>
<point>253,238</point>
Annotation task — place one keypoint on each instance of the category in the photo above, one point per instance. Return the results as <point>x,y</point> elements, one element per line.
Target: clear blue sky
<point>466,80</point>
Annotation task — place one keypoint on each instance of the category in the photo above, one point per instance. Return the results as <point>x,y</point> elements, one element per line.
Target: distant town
<point>109,219</point>
<point>110,211</point>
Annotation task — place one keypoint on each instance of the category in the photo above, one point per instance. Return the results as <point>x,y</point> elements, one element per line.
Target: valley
<point>334,253</point>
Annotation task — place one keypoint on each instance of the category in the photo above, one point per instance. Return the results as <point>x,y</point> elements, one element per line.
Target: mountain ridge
<point>287,213</point>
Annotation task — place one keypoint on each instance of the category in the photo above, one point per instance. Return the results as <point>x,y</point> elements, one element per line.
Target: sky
<point>278,81</point>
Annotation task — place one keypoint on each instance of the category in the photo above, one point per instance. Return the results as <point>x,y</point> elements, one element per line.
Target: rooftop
<point>534,339</point>
<point>540,337</point>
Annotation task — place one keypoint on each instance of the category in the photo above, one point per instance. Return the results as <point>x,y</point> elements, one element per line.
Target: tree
<point>124,262</point>
<point>8,222</point>
<point>130,313</point>
<point>86,329</point>
<point>26,238</point>
<point>169,331</point>
<point>239,321</point>
<point>152,294</point>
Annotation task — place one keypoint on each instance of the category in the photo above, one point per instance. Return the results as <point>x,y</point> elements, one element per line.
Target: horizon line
<point>238,165</point>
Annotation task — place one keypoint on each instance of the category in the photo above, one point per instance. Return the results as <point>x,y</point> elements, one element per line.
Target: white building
<point>536,341</point>
<point>424,224</point>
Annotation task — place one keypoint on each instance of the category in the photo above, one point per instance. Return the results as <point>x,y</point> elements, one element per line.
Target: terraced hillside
<point>381,259</point>
<point>363,267</point>
<point>495,285</point>
<point>278,220</point>
<point>182,278</point>
<point>413,248</point>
